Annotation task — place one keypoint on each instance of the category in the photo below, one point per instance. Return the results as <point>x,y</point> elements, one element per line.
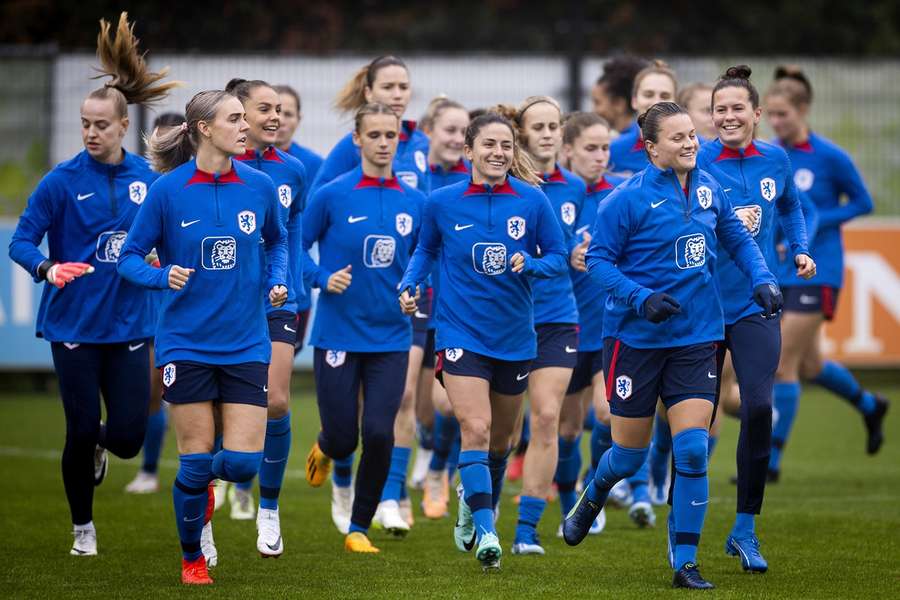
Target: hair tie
<point>184,126</point>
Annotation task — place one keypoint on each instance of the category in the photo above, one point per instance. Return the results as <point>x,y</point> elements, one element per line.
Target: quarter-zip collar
<point>599,186</point>
<point>367,181</point>
<point>484,188</point>
<point>555,177</point>
<point>730,153</point>
<point>459,167</point>
<point>269,153</point>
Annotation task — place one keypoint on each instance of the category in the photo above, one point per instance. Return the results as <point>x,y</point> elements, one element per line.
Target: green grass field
<point>830,529</point>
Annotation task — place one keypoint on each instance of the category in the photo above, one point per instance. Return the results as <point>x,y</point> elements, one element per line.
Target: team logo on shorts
<point>335,358</point>
<point>489,258</point>
<point>109,245</point>
<point>410,178</point>
<point>218,253</point>
<point>378,251</point>
<point>168,374</point>
<point>690,251</point>
<point>704,196</point>
<point>247,221</point>
<point>404,224</point>
<point>804,179</point>
<point>515,227</point>
<point>284,195</point>
<point>623,387</point>
<point>767,188</point>
<point>453,354</point>
<point>567,212</point>
<point>421,162</point>
<point>137,191</point>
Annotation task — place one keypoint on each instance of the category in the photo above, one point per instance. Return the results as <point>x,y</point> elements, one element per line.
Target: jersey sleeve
<point>790,212</point>
<point>145,234</point>
<point>33,225</point>
<point>849,183</point>
<point>427,248</point>
<point>295,241</point>
<point>554,254</point>
<point>276,238</point>
<point>315,222</point>
<point>740,244</point>
<point>342,158</point>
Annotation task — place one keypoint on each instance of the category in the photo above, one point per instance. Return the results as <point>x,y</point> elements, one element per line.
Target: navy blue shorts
<point>811,299</point>
<point>186,381</point>
<point>588,364</point>
<point>302,322</point>
<point>508,377</point>
<point>557,346</point>
<point>422,317</point>
<point>283,327</point>
<point>637,377</point>
<point>428,346</point>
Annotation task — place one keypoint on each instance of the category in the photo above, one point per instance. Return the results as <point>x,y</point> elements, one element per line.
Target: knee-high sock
<point>660,450</point>
<point>615,464</point>
<point>396,479</point>
<point>153,440</point>
<point>837,379</point>
<point>342,474</point>
<point>786,400</point>
<point>476,480</point>
<point>275,455</point>
<point>567,469</point>
<point>601,441</point>
<point>189,497</point>
<point>639,482</point>
<point>497,466</point>
<point>530,511</point>
<point>691,493</point>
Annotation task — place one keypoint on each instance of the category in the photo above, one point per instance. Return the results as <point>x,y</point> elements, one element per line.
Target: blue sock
<point>837,379</point>
<point>530,511</point>
<point>153,440</point>
<point>445,432</point>
<point>601,441</point>
<point>476,480</point>
<point>786,398</point>
<point>567,468</point>
<point>497,466</point>
<point>342,474</point>
<point>713,440</point>
<point>354,528</point>
<point>189,496</point>
<point>217,444</point>
<point>236,466</point>
<point>640,491</point>
<point>590,418</point>
<point>691,493</point>
<point>616,463</point>
<point>744,525</point>
<point>275,455</point>
<point>453,458</point>
<point>660,448</point>
<point>396,479</point>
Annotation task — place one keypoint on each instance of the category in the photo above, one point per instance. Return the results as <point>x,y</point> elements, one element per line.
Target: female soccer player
<point>828,176</point>
<point>262,106</point>
<point>696,98</point>
<point>215,224</point>
<point>653,251</point>
<point>611,94</point>
<point>655,83</point>
<point>586,140</point>
<point>485,233</point>
<point>366,223</point>
<point>760,186</point>
<point>84,207</point>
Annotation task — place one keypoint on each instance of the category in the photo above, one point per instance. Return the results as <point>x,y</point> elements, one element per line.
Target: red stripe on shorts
<point>827,302</point>
<point>610,377</point>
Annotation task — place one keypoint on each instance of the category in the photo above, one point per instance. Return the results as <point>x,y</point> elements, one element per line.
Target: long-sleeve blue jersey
<point>289,177</point>
<point>626,153</point>
<point>85,208</point>
<point>827,174</point>
<point>474,230</point>
<point>312,162</point>
<point>554,299</point>
<point>651,235</point>
<point>371,224</point>
<point>218,225</point>
<point>757,178</point>
<point>410,162</point>
<point>590,296</point>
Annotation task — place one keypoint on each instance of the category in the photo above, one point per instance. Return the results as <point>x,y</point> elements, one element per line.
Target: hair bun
<point>738,72</point>
<point>233,84</point>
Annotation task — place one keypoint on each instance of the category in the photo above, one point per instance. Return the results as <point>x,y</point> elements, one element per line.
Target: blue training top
<point>757,178</point>
<point>371,224</point>
<point>652,235</point>
<point>474,230</point>
<point>219,225</point>
<point>311,162</point>
<point>85,208</point>
<point>626,153</point>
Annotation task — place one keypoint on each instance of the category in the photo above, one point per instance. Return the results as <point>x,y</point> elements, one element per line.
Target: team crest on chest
<point>767,188</point>
<point>623,387</point>
<point>567,212</point>
<point>137,191</point>
<point>804,179</point>
<point>247,221</point>
<point>284,195</point>
<point>421,163</point>
<point>704,196</point>
<point>404,224</point>
<point>515,227</point>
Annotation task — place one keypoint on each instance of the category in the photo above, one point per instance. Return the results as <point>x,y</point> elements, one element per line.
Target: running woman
<point>758,180</point>
<point>216,226</point>
<point>485,234</point>
<point>366,223</point>
<point>611,94</point>
<point>262,106</point>
<point>696,98</point>
<point>84,207</point>
<point>586,141</point>
<point>826,173</point>
<point>663,320</point>
<point>655,83</point>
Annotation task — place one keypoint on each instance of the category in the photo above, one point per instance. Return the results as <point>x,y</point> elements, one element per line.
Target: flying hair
<point>522,166</point>
<point>353,95</point>
<point>738,76</point>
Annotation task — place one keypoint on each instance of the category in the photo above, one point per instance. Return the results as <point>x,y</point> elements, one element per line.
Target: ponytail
<point>352,96</point>
<point>169,149</point>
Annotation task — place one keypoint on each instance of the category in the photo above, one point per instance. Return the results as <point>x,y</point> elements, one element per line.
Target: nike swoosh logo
<point>189,223</point>
<point>420,315</point>
<point>695,503</point>
<point>84,196</point>
<point>70,346</point>
<point>471,543</point>
<point>657,204</point>
<point>133,348</point>
<point>265,388</point>
<point>274,547</point>
<point>274,462</point>
<point>200,516</point>
<point>710,375</point>
<point>521,377</point>
<point>570,350</point>
<point>581,230</point>
<point>286,328</point>
<point>459,227</point>
<point>726,190</point>
<point>352,219</point>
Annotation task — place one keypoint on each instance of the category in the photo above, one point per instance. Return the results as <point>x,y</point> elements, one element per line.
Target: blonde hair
<point>657,67</point>
<point>131,82</point>
<point>687,92</point>
<point>434,110</point>
<point>353,95</point>
<point>169,149</point>
<point>522,166</point>
<point>372,108</point>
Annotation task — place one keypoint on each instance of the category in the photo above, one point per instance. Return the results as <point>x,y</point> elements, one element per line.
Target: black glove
<point>658,307</point>
<point>768,295</point>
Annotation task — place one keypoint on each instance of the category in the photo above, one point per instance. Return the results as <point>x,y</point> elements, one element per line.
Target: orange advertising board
<point>866,329</point>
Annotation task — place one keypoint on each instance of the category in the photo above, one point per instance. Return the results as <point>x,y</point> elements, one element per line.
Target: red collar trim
<point>639,144</point>
<point>369,182</point>
<point>406,130</point>
<point>268,154</point>
<point>459,167</point>
<point>204,177</point>
<point>804,147</point>
<point>600,186</point>
<point>503,188</point>
<point>554,177</point>
<point>728,153</point>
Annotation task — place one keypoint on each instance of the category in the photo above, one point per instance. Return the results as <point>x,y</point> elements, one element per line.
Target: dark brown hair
<point>738,76</point>
<point>286,89</point>
<point>651,121</point>
<point>242,88</point>
<point>792,83</point>
<point>618,76</point>
<point>521,167</point>
<point>577,122</point>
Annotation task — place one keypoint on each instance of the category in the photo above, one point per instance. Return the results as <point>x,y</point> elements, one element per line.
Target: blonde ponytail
<point>352,96</point>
